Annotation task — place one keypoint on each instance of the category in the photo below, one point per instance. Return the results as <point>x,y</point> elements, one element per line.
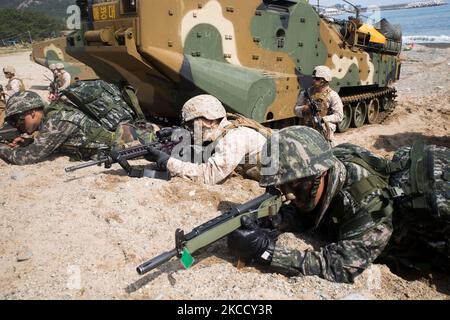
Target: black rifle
<point>315,114</point>
<point>2,94</point>
<point>165,143</point>
<point>53,88</point>
<point>8,133</point>
<point>266,205</point>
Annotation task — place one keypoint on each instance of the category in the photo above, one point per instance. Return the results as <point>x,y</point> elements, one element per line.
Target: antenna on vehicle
<point>356,8</point>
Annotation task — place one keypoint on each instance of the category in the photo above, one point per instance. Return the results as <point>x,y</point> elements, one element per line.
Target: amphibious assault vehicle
<point>254,55</point>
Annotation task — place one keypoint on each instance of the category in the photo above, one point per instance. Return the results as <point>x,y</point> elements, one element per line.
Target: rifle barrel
<point>156,261</point>
<point>85,165</point>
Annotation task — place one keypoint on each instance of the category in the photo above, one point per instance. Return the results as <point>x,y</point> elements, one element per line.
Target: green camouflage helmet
<point>22,102</point>
<point>303,152</point>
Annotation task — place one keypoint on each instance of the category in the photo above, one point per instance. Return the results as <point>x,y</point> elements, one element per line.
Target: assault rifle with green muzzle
<point>264,206</point>
<point>168,139</point>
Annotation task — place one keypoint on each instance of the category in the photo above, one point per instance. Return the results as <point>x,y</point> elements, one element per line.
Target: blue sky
<point>361,2</point>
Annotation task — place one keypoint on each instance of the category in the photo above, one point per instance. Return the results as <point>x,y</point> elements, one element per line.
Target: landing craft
<point>255,56</point>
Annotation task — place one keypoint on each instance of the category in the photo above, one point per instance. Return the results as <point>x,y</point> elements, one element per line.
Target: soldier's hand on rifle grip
<point>306,111</point>
<point>16,142</point>
<point>252,242</point>
<point>155,155</point>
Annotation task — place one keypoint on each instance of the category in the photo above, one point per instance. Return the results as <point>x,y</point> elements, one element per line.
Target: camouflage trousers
<point>132,134</point>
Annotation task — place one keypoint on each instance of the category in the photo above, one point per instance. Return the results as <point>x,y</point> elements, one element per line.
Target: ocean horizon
<point>419,25</point>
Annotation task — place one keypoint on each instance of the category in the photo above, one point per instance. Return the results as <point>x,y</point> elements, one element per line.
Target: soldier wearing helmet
<point>52,68</point>
<point>58,127</point>
<point>14,84</point>
<point>336,193</point>
<point>236,144</point>
<point>331,108</point>
<point>64,78</point>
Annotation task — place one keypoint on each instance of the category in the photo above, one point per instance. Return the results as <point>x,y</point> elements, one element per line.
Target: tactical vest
<point>418,182</point>
<point>21,86</point>
<point>104,102</point>
<point>250,170</point>
<point>368,192</point>
<point>91,136</point>
<point>322,100</point>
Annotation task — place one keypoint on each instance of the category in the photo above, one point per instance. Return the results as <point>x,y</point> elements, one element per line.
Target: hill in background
<point>55,8</point>
<point>16,26</point>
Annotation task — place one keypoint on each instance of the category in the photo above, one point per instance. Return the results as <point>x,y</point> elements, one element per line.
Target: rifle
<point>315,113</point>
<point>8,133</point>
<point>107,157</point>
<point>53,89</point>
<point>2,94</point>
<point>266,205</point>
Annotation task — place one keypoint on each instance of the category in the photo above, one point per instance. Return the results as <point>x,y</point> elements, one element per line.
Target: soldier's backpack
<point>238,120</point>
<point>419,176</point>
<point>104,102</point>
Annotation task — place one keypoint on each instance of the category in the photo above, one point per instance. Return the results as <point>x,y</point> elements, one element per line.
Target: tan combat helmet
<point>205,105</point>
<point>52,66</point>
<point>60,66</point>
<point>9,69</point>
<point>322,72</point>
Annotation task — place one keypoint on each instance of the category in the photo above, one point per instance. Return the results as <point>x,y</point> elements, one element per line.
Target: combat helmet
<point>322,72</point>
<point>9,69</point>
<point>302,153</point>
<point>22,102</point>
<point>204,105</point>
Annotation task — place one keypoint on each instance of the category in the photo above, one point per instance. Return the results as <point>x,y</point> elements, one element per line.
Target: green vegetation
<point>15,24</point>
<point>56,8</point>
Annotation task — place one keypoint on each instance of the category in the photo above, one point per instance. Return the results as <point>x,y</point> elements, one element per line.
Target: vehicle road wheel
<point>372,111</point>
<point>345,123</point>
<point>359,114</point>
<point>387,104</point>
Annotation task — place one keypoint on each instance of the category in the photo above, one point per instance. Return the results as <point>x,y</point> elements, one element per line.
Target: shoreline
<point>438,45</point>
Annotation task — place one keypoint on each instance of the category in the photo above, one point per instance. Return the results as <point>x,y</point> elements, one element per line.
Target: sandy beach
<point>81,235</point>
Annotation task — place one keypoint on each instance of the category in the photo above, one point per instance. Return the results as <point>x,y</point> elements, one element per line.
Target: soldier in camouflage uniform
<point>237,144</point>
<point>331,108</point>
<point>14,84</point>
<point>59,127</point>
<point>341,197</point>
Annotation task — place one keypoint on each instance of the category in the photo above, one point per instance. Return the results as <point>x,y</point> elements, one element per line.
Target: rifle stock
<point>266,205</point>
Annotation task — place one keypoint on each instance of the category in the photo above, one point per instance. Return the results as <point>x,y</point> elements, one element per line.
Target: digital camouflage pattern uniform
<point>359,227</point>
<point>421,236</point>
<point>349,253</point>
<point>67,130</point>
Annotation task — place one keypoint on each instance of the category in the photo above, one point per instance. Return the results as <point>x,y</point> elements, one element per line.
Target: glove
<point>155,155</point>
<point>252,242</point>
<point>289,220</point>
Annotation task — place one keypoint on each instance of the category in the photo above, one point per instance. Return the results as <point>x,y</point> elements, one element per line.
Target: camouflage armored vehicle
<point>53,51</point>
<point>255,56</point>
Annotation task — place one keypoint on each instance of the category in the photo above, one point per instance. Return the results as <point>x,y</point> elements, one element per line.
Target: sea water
<point>419,25</point>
